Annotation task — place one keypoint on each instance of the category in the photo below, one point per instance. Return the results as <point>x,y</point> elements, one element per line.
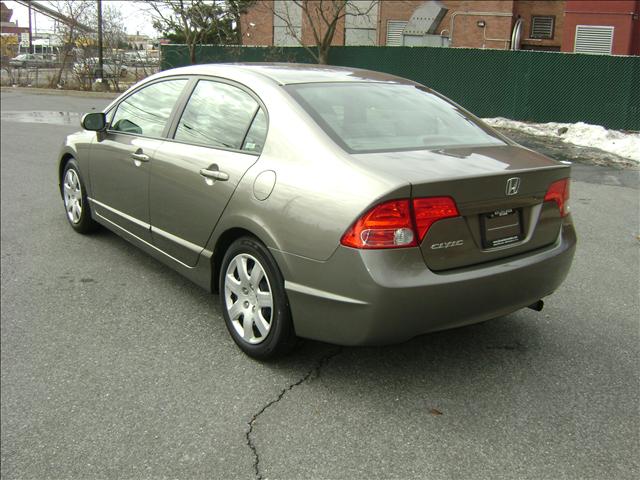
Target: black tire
<point>84,224</point>
<point>281,337</point>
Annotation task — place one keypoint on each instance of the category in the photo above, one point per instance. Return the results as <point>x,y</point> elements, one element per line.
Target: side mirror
<point>94,121</point>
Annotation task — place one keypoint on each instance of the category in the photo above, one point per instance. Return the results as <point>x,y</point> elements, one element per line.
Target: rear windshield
<point>381,117</point>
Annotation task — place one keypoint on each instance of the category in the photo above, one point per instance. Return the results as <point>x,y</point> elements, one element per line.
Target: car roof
<point>292,73</point>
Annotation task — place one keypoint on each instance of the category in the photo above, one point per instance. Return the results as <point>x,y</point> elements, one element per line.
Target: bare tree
<point>194,21</point>
<point>113,37</point>
<point>71,34</point>
<point>113,33</point>
<point>321,17</point>
<point>234,9</point>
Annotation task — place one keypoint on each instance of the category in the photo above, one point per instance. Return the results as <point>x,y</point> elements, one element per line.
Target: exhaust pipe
<point>537,306</point>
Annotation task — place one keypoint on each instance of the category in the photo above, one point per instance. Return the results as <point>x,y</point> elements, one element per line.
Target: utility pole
<point>100,71</point>
<point>30,32</point>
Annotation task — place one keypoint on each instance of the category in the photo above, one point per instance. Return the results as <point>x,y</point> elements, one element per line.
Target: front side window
<point>378,117</point>
<point>147,111</point>
<point>217,115</point>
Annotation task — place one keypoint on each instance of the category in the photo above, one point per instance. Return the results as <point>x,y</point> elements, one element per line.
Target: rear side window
<point>146,111</point>
<point>379,117</point>
<point>257,134</point>
<point>217,115</point>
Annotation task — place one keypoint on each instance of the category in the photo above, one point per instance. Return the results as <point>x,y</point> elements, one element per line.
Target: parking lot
<point>114,366</point>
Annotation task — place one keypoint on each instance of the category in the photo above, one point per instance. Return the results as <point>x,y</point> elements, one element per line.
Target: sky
<point>136,19</point>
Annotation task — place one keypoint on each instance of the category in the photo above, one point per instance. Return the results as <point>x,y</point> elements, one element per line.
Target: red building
<point>584,26</point>
<point>611,26</point>
<point>6,25</point>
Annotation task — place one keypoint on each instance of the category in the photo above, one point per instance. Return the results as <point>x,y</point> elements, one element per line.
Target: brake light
<point>398,223</point>
<point>387,225</point>
<point>559,192</point>
<point>430,210</point>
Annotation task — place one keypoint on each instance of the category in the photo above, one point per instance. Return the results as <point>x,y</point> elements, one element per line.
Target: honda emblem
<point>513,185</point>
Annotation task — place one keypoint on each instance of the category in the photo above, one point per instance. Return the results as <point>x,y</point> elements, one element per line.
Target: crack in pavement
<point>315,370</point>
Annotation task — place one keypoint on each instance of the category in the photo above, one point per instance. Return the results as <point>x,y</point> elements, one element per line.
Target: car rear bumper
<point>373,297</point>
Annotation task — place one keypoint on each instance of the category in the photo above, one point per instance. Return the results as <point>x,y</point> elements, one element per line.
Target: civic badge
<point>513,185</point>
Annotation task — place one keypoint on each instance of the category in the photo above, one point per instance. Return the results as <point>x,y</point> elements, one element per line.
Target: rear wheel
<point>74,195</point>
<point>254,303</point>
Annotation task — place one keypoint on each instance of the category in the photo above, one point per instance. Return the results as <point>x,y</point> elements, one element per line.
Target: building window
<point>287,23</point>
<point>594,39</point>
<point>542,27</point>
<point>394,32</point>
<point>360,22</point>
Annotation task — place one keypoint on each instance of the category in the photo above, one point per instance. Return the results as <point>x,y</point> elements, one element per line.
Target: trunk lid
<point>499,192</point>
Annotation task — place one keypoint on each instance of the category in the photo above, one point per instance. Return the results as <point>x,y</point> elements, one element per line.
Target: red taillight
<point>387,225</point>
<point>430,210</point>
<point>559,192</point>
<point>398,223</point>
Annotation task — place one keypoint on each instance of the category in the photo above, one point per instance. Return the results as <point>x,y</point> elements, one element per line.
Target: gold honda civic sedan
<point>336,204</point>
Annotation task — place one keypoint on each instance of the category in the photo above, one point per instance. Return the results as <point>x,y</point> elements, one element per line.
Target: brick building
<point>602,27</point>
<point>9,34</point>
<point>6,25</point>
<point>560,25</point>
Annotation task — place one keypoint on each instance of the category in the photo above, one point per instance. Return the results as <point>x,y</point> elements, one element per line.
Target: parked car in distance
<point>140,58</point>
<point>34,60</point>
<point>337,204</point>
<point>88,67</point>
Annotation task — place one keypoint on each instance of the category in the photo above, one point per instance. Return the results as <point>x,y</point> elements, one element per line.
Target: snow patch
<point>624,144</point>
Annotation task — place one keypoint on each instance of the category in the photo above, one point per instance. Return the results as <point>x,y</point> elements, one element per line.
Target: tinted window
<point>369,117</point>
<point>257,133</point>
<point>146,112</point>
<point>217,114</point>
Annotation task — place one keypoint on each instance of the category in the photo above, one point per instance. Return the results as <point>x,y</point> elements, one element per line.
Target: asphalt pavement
<point>114,366</point>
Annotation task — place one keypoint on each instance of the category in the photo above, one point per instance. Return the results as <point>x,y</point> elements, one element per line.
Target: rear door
<point>121,158</point>
<point>218,136</point>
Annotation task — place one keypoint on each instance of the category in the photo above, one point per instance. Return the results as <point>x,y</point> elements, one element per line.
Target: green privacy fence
<point>521,85</point>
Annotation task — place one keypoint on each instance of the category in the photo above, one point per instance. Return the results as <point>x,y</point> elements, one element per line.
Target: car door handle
<point>140,157</point>
<point>214,174</point>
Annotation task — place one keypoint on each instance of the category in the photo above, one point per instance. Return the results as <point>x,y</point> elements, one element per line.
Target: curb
<point>53,91</point>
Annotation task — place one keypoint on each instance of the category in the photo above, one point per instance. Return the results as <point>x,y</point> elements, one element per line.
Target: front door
<point>218,137</point>
<point>120,159</point>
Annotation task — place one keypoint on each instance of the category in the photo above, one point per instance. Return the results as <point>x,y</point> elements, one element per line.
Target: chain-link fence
<point>172,56</point>
<point>521,85</point>
<point>78,74</point>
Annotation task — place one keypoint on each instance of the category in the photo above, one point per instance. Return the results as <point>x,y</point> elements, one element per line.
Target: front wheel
<point>254,303</point>
<point>74,196</point>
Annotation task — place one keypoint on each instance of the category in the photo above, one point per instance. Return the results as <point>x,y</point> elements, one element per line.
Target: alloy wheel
<point>248,298</point>
<point>72,196</point>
